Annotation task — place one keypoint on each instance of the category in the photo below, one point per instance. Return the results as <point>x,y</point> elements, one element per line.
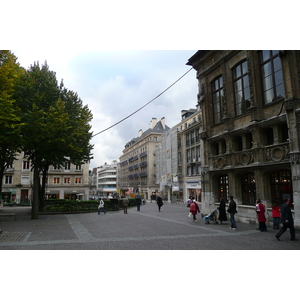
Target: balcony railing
<point>143,154</point>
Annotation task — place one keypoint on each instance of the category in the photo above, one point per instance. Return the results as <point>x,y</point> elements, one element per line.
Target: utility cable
<point>145,104</point>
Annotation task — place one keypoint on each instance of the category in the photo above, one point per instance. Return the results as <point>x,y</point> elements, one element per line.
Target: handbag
<point>190,215</point>
<point>266,214</point>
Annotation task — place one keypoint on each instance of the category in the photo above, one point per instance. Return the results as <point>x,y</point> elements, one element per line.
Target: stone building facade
<point>67,182</point>
<point>250,103</point>
<point>166,166</point>
<point>189,153</point>
<point>178,158</point>
<point>136,170</point>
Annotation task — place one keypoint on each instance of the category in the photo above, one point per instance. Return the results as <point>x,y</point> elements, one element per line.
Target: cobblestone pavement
<point>170,229</point>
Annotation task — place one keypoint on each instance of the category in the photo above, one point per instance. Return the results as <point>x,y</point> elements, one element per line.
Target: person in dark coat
<point>138,201</point>
<point>286,220</point>
<point>125,205</point>
<point>159,202</point>
<point>232,211</point>
<point>222,211</point>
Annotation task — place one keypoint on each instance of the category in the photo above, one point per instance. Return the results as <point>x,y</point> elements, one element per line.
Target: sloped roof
<point>158,128</point>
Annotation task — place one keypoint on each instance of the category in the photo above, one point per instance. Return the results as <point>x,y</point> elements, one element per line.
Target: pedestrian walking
<point>138,202</point>
<point>261,215</point>
<point>232,211</point>
<point>194,209</point>
<point>101,207</point>
<point>222,211</point>
<point>276,215</point>
<point>286,220</point>
<point>159,202</point>
<point>125,205</point>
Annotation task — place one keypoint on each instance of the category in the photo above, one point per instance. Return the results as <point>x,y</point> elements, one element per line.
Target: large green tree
<point>56,126</point>
<point>10,121</point>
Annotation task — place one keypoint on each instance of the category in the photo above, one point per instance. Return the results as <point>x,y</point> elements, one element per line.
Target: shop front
<point>193,189</point>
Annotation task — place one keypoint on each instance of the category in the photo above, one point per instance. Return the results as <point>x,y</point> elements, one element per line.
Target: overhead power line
<point>144,105</point>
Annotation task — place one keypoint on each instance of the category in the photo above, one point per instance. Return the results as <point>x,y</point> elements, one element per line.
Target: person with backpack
<point>194,209</point>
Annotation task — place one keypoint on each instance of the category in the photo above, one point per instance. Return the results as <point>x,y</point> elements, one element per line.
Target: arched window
<point>281,186</point>
<point>248,189</point>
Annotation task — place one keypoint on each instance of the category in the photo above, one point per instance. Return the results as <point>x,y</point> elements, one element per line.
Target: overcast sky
<point>115,84</point>
<point>97,48</point>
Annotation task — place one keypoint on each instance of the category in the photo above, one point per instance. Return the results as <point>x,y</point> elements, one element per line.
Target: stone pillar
<point>295,170</point>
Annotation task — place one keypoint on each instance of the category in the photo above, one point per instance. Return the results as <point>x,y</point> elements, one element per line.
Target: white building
<point>107,180</point>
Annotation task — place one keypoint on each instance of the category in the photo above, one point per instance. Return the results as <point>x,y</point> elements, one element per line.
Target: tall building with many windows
<point>137,163</point>
<point>250,104</point>
<point>190,153</point>
<point>178,158</point>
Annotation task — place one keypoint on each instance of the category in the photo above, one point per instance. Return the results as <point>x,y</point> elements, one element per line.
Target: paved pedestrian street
<point>148,229</point>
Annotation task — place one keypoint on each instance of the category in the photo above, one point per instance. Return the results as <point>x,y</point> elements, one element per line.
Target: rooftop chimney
<point>153,123</point>
<point>140,132</point>
<point>163,122</point>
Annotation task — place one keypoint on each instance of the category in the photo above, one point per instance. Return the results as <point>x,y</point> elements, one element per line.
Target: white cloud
<point>114,84</point>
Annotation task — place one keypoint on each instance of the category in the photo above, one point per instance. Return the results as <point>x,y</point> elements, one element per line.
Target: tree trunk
<point>42,188</point>
<point>35,200</point>
<point>1,180</point>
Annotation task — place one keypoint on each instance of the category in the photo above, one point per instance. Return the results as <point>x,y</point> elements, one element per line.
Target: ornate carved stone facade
<point>250,103</point>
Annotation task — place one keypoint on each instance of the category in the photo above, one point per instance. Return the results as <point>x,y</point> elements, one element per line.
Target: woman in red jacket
<point>260,210</point>
<point>194,209</point>
<point>276,215</point>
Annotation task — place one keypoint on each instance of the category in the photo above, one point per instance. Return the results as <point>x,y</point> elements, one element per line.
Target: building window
<point>272,76</point>
<point>223,187</point>
<point>218,98</point>
<point>67,180</point>
<point>238,143</point>
<point>77,180</point>
<point>25,179</point>
<point>56,167</point>
<point>248,189</point>
<point>283,133</point>
<point>67,166</point>
<point>56,180</point>
<point>249,140</point>
<point>241,88</point>
<point>267,136</point>
<point>26,165</point>
<point>8,179</point>
<point>281,186</point>
<point>78,167</point>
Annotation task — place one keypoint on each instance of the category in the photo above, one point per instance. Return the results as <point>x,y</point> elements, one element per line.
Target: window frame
<point>241,77</point>
<point>223,186</point>
<point>271,77</point>
<point>248,188</point>
<point>217,94</point>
